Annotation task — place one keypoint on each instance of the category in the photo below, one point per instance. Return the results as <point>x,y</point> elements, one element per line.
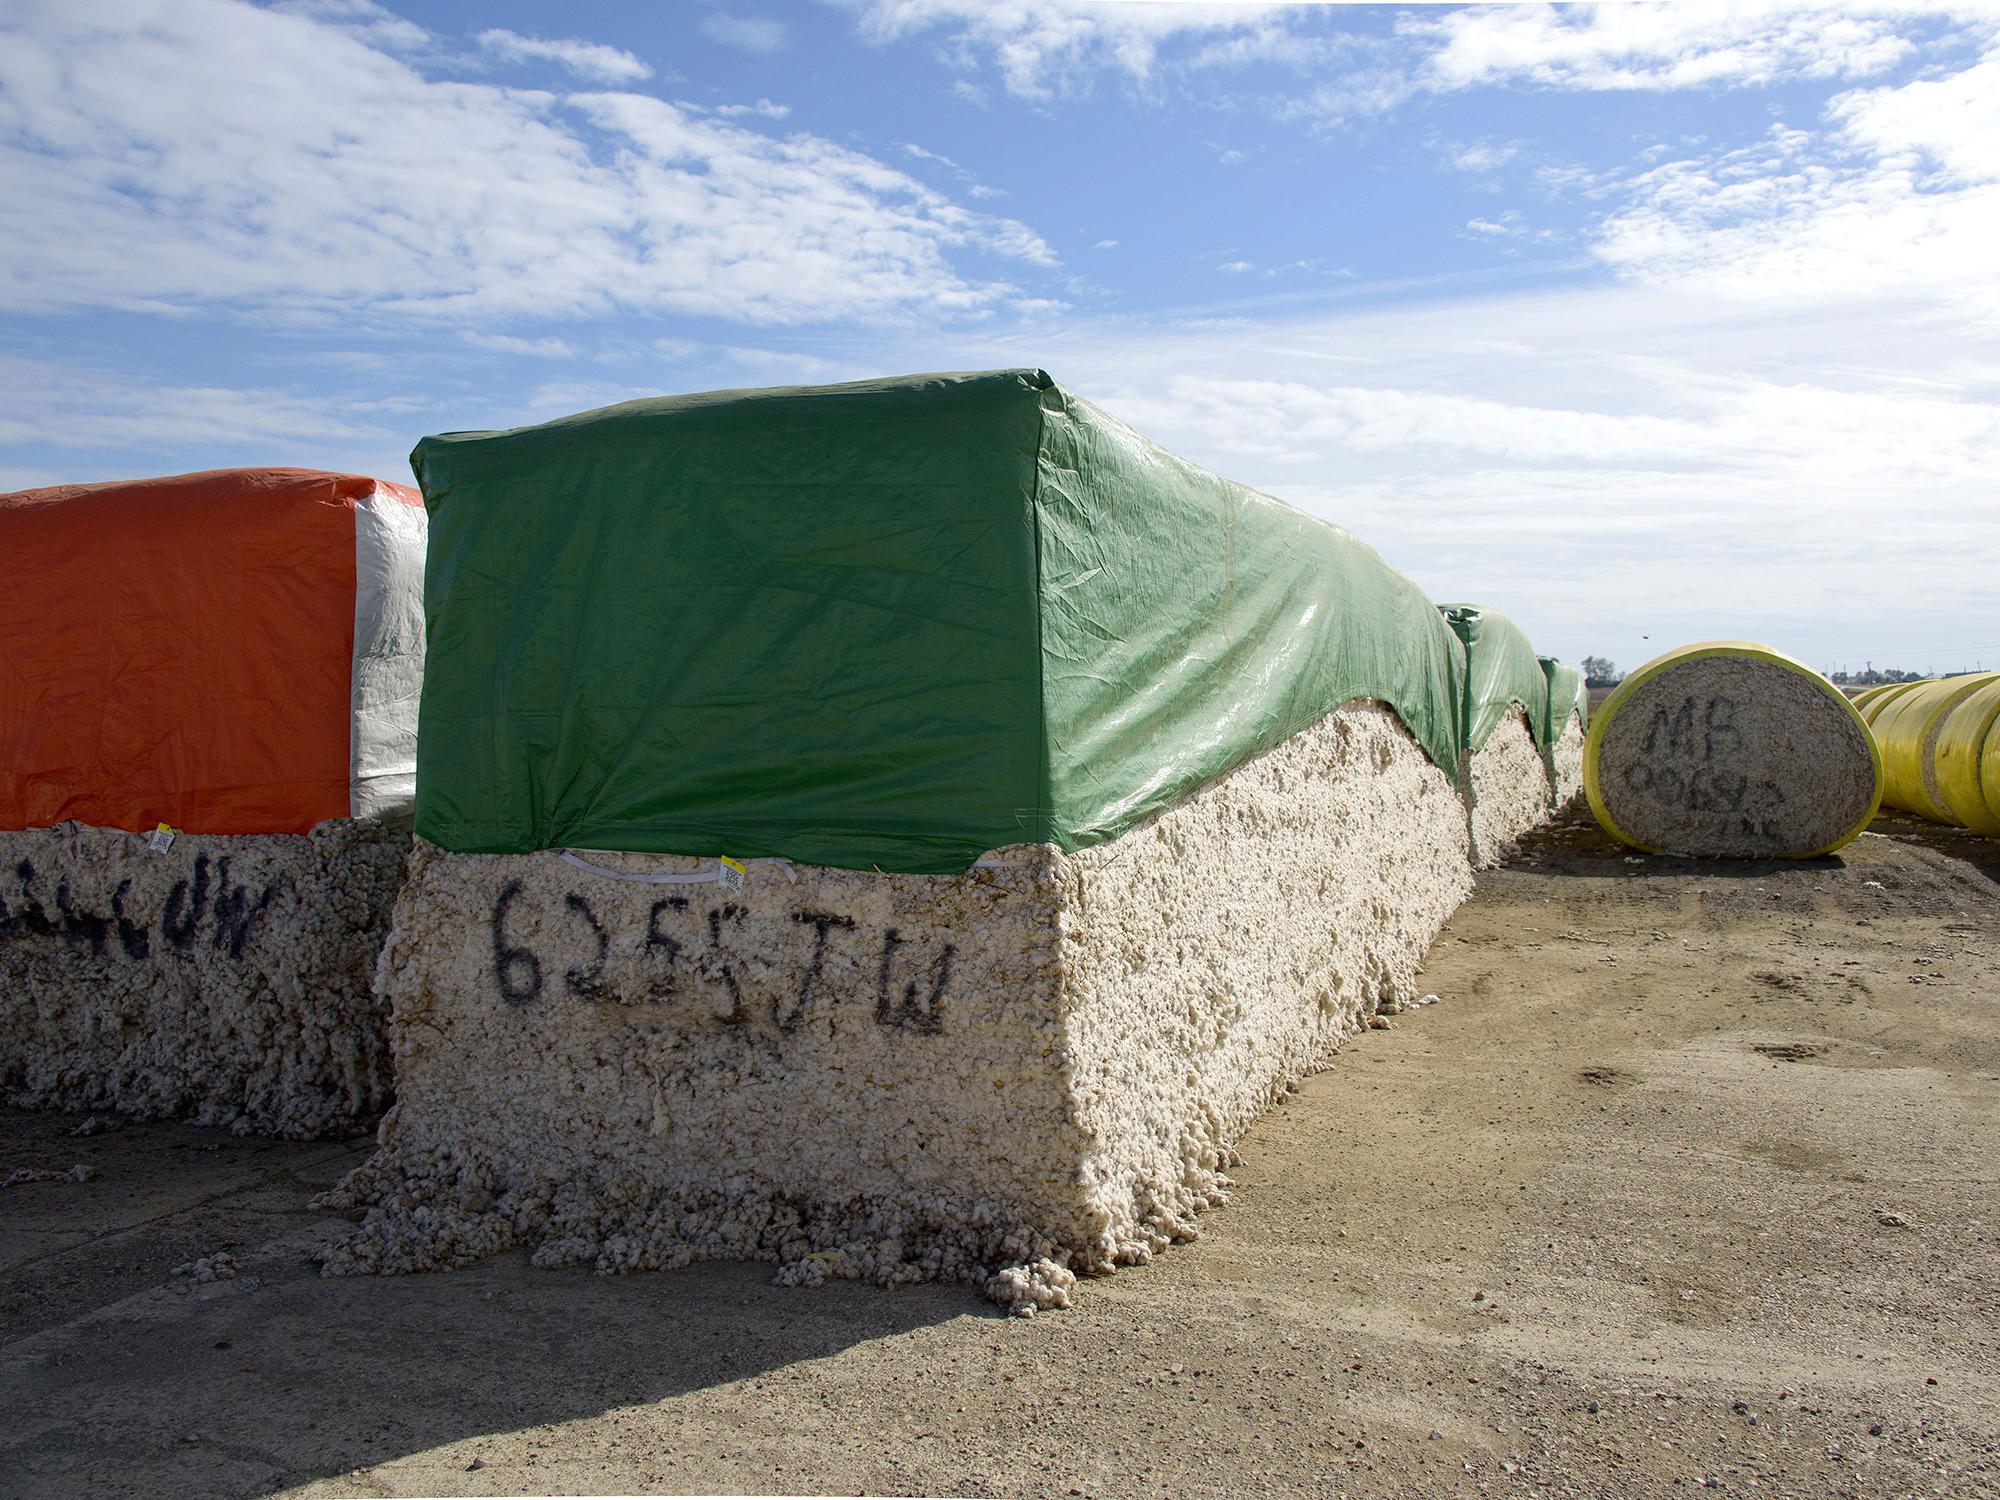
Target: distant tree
<point>1599,672</point>
<point>1873,676</point>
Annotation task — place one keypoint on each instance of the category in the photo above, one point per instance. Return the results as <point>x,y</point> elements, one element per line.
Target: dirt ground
<point>1688,1182</point>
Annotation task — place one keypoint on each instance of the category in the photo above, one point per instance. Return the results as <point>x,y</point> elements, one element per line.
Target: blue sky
<point>1640,323</point>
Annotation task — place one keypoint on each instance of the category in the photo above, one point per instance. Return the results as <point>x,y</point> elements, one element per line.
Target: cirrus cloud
<point>1898,195</point>
<point>171,155</point>
<point>591,60</point>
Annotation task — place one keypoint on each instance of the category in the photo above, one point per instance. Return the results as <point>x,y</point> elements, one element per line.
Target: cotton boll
<point>1026,1290</point>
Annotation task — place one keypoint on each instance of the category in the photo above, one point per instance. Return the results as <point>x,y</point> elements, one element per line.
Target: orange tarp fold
<point>179,651</point>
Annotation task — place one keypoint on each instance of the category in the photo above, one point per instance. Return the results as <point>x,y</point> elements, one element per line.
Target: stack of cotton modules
<point>903,831</point>
<point>1521,722</point>
<point>208,701</point>
<point>1940,743</point>
<point>1730,749</point>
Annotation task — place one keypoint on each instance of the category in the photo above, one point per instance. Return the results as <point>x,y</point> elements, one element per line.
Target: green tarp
<point>1567,696</point>
<point>884,625</point>
<point>1501,670</point>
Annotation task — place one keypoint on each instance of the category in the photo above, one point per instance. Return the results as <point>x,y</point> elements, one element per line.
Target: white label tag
<point>162,839</point>
<point>729,874</point>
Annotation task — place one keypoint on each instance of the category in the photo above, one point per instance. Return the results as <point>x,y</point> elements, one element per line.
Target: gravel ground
<point>1688,1183</point>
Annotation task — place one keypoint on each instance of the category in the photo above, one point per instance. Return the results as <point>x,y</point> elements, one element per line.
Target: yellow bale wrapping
<point>1908,730</point>
<point>1731,749</point>
<point>1989,772</point>
<point>1885,700</point>
<point>1967,760</point>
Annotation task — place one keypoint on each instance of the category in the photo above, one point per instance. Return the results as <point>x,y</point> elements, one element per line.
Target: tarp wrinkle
<point>1503,671</point>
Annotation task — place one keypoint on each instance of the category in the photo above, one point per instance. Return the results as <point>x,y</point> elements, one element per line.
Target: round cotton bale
<point>1965,759</point>
<point>1989,771</point>
<point>1867,696</point>
<point>1880,699</point>
<point>1731,749</point>
<point>1907,733</point>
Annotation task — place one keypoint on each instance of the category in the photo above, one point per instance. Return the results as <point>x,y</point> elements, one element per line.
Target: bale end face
<point>1731,751</point>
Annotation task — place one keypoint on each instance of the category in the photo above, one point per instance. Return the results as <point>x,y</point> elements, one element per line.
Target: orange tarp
<point>179,651</point>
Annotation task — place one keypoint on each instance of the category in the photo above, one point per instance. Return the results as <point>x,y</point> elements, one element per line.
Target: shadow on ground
<point>121,1374</point>
<point>1575,846</point>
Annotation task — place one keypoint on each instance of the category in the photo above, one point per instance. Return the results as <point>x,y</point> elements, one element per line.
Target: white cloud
<point>501,343</point>
<point>562,398</point>
<point>164,155</point>
<point>1687,44</point>
<point>1045,48</point>
<point>1643,45</point>
<point>749,33</point>
<point>922,153</point>
<point>364,19</point>
<point>1484,156</point>
<point>1950,125</point>
<point>1106,245</point>
<point>588,60</point>
<point>1274,38</point>
<point>83,407</point>
<point>1236,267</point>
<point>1509,226</point>
<point>1900,195</point>
<point>762,107</point>
<point>792,368</point>
<point>1605,464</point>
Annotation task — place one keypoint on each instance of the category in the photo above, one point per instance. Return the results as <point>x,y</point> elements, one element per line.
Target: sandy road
<point>1692,1181</point>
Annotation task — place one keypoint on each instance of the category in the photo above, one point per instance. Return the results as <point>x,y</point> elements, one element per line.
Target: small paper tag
<point>730,873</point>
<point>162,839</point>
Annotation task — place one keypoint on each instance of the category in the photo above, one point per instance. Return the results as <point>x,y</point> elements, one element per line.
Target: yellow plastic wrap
<point>1872,703</point>
<point>1907,727</point>
<point>1967,755</point>
<point>1989,772</point>
<point>1940,742</point>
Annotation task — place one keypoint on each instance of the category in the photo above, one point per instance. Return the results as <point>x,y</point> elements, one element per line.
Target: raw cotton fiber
<point>225,980</point>
<point>1032,1070</point>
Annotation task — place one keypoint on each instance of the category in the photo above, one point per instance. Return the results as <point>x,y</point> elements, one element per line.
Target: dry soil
<point>1689,1182</point>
